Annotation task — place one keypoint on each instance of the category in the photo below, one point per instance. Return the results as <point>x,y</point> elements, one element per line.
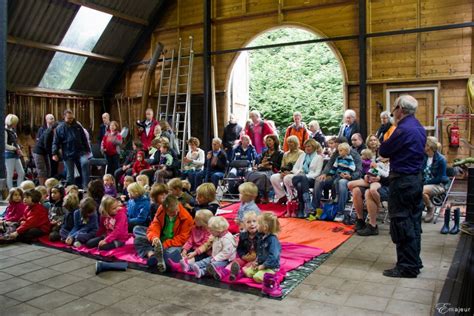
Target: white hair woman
<point>12,151</point>
<point>384,127</point>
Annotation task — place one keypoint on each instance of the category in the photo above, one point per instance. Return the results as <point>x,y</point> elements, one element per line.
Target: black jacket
<point>231,134</point>
<point>71,139</point>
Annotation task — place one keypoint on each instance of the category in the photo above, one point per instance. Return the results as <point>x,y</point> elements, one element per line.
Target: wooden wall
<point>440,59</point>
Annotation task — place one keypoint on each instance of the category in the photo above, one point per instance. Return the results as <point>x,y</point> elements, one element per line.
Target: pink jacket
<point>14,212</point>
<point>199,236</point>
<point>114,227</point>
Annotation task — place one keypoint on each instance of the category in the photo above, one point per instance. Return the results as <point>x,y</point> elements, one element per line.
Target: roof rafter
<point>62,49</point>
<point>113,12</point>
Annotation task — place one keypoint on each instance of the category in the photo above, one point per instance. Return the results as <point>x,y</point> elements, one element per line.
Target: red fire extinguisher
<point>453,134</point>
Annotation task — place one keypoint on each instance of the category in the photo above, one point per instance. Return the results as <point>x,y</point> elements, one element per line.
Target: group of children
<point>104,218</point>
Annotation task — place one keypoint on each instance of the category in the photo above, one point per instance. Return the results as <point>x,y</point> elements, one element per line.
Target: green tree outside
<point>305,78</point>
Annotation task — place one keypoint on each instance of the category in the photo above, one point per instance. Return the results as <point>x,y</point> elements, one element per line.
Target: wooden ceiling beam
<point>113,12</point>
<point>62,49</point>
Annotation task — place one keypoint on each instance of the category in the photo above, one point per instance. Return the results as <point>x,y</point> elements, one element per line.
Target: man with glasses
<point>405,149</point>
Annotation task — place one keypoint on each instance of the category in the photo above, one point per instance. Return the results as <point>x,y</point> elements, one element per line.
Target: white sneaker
<point>77,244</point>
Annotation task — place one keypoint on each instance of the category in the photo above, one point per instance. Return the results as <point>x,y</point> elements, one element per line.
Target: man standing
<point>349,127</point>
<point>405,148</point>
<point>231,135</point>
<point>104,127</point>
<point>71,139</point>
<point>146,129</point>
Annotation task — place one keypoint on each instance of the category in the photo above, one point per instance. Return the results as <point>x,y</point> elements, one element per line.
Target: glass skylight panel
<point>83,34</point>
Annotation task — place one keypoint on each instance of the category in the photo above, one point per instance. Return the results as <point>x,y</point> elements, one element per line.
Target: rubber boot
<point>308,208</point>
<point>270,285</point>
<point>457,216</point>
<point>300,213</point>
<point>447,218</point>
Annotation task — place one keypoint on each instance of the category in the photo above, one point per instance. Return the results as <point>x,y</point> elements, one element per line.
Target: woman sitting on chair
<point>269,164</point>
<point>434,175</point>
<point>243,157</point>
<point>285,175</point>
<point>306,169</point>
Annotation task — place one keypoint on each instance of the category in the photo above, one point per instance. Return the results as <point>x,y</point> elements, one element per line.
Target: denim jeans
<point>82,164</point>
<point>12,165</point>
<point>202,264</point>
<point>206,176</point>
<point>143,246</point>
<point>340,186</point>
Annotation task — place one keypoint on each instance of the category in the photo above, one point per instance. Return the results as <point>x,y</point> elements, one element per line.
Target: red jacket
<point>110,142</point>
<point>147,138</point>
<point>182,227</point>
<point>36,216</point>
<point>138,166</point>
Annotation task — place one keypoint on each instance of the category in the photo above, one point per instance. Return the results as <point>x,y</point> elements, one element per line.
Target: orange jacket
<point>182,227</point>
<point>301,133</point>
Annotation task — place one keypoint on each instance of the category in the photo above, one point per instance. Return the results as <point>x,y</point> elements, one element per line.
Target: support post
<point>3,86</point>
<point>363,67</point>
<point>470,196</point>
<point>207,73</point>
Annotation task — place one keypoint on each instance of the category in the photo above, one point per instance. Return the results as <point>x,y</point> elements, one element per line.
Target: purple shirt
<point>405,147</point>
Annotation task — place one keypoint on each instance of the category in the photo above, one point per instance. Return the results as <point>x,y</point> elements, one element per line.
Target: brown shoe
<point>429,215</point>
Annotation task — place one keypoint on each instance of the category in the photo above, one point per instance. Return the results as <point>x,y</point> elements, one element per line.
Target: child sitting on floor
<point>35,221</point>
<point>268,248</point>
<point>206,198</point>
<point>51,183</point>
<point>109,185</point>
<point>127,180</point>
<point>197,245</point>
<point>113,227</point>
<point>85,224</point>
<point>14,211</point>
<point>144,181</point>
<point>71,204</point>
<point>27,185</point>
<point>56,212</point>
<point>248,193</point>
<point>223,250</point>
<point>44,196</point>
<point>247,247</point>
<point>138,207</point>
<point>176,188</point>
<point>157,195</point>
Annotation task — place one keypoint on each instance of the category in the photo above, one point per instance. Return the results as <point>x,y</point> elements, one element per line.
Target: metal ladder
<point>162,108</point>
<point>181,119</point>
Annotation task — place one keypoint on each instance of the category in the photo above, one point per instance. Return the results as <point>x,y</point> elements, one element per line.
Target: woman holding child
<point>269,164</point>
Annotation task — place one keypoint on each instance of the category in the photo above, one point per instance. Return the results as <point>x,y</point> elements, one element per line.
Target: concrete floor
<point>36,280</point>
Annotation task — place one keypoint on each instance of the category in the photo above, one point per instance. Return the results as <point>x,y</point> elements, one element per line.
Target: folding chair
<point>228,184</point>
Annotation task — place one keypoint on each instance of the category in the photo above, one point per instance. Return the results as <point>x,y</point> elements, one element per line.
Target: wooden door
<point>426,107</point>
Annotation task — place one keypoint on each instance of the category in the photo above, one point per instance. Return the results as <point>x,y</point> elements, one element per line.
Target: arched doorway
<point>308,78</point>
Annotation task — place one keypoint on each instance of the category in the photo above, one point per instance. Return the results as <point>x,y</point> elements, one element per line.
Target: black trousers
<point>405,207</point>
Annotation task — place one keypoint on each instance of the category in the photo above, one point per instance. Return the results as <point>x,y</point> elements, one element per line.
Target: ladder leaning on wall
<point>164,91</point>
<point>181,119</point>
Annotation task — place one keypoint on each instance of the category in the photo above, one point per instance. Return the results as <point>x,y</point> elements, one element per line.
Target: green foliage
<point>305,78</point>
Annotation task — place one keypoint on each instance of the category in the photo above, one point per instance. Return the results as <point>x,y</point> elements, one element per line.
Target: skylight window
<point>83,34</point>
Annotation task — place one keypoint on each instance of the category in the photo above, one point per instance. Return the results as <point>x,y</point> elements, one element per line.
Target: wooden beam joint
<point>62,49</point>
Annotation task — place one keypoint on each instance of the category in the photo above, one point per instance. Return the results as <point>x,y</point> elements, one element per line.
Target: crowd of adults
<point>307,160</point>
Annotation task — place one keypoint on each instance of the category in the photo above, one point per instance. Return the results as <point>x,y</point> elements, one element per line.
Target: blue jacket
<point>246,244</point>
<point>268,251</point>
<point>138,210</point>
<point>437,170</point>
<point>91,226</point>
<point>405,147</point>
<point>239,154</point>
<point>71,139</point>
